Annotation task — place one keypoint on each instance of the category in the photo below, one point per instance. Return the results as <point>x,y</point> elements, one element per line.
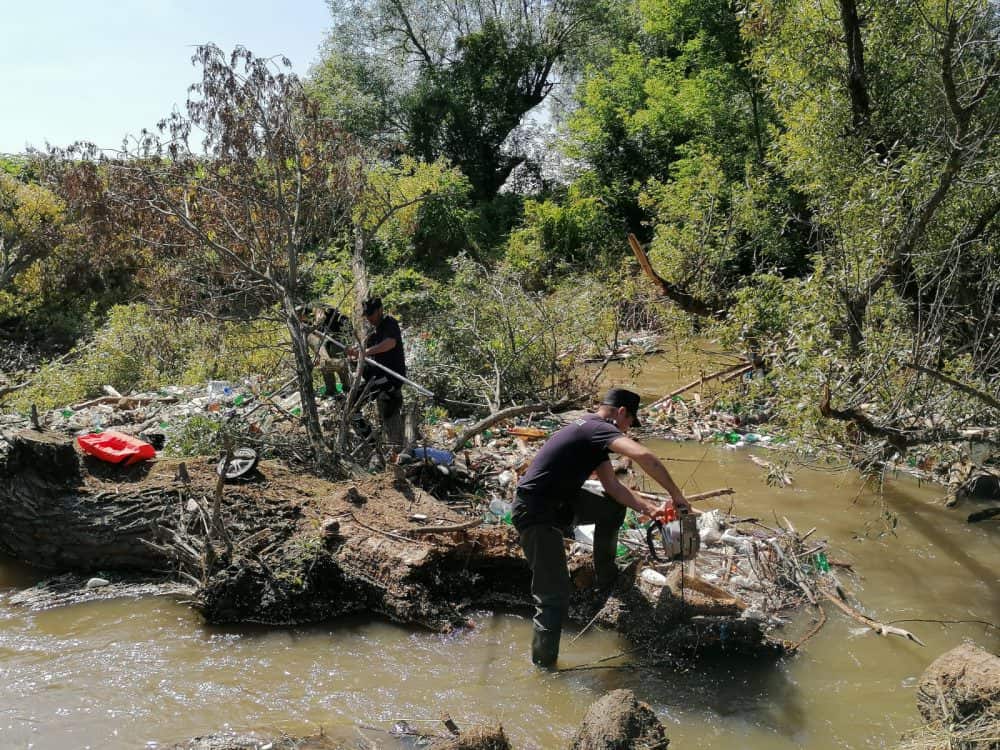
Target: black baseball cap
<point>621,397</point>
<point>371,305</point>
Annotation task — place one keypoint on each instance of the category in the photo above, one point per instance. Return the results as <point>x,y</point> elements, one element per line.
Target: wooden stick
<point>499,416</point>
<point>878,627</point>
<point>820,623</point>
<point>689,498</point>
<point>741,367</point>
<point>442,529</point>
<point>736,374</point>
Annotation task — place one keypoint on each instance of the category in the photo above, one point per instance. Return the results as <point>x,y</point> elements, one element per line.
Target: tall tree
<point>447,78</point>
<point>890,131</point>
<point>232,213</point>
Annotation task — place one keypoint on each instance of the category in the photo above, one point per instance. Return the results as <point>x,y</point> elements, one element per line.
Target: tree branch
<point>685,300</point>
<point>967,389</point>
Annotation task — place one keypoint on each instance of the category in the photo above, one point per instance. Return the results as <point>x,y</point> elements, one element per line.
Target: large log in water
<point>53,517</point>
<point>292,548</point>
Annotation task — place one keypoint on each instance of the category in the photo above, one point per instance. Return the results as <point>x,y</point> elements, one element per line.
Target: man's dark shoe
<point>545,647</point>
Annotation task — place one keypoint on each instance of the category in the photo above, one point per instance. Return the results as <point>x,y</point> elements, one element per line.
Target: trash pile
<point>186,420</point>
<point>743,569</point>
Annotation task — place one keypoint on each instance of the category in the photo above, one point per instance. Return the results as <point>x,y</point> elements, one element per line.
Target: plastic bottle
<point>502,510</point>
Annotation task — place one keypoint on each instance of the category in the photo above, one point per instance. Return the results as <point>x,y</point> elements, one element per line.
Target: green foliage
<point>31,225</point>
<point>138,350</point>
<point>710,231</point>
<point>465,110</point>
<point>449,83</point>
<point>561,236</point>
<point>410,295</point>
<point>418,213</point>
<point>198,435</point>
<point>354,92</point>
<point>496,342</point>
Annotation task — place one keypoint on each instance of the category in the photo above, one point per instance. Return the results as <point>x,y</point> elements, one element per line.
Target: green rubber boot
<point>545,647</point>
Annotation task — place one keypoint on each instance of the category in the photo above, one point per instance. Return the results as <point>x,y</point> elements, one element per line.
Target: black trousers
<point>389,401</point>
<point>545,551</point>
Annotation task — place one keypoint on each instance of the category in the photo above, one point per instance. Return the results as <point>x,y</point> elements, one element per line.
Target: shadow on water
<point>936,525</point>
<point>737,689</point>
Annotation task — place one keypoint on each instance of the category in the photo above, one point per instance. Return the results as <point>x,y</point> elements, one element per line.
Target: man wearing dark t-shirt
<point>384,344</point>
<point>550,498</point>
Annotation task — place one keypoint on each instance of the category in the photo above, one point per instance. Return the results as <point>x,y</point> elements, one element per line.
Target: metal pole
<point>415,386</point>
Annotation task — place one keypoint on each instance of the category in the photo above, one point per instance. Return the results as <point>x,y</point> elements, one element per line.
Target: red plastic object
<point>116,447</point>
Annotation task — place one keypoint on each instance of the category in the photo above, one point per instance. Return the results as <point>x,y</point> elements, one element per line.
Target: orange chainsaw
<point>678,536</point>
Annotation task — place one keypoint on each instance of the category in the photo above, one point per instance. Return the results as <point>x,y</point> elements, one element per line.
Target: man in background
<point>384,345</point>
<point>327,322</point>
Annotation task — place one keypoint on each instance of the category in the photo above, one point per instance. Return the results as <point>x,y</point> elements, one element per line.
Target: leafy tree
<point>32,224</point>
<point>446,78</point>
<point>890,134</point>
<point>231,221</point>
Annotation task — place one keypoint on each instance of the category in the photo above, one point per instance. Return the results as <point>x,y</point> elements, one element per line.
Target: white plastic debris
<point>710,527</point>
<point>505,478</point>
<point>653,577</point>
<point>745,583</point>
<point>740,543</point>
<point>584,534</point>
<point>219,388</point>
<point>95,583</point>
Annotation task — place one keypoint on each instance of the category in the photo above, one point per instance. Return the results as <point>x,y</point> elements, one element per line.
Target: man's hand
<point>670,509</point>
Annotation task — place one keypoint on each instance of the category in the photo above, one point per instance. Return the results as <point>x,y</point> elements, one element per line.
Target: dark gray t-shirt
<point>559,470</point>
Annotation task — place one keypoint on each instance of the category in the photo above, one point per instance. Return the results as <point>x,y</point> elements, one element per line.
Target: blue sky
<point>99,69</point>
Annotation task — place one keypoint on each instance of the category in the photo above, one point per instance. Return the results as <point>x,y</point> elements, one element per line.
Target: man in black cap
<point>384,344</point>
<point>550,498</point>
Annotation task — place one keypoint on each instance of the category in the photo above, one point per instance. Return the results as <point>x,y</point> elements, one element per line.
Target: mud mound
<point>617,721</point>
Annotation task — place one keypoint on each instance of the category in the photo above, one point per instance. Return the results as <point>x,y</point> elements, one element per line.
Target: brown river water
<point>147,672</point>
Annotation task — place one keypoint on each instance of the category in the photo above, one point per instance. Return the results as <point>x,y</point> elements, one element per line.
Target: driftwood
<point>878,627</point>
<point>737,369</point>
<point>684,299</point>
<point>492,419</point>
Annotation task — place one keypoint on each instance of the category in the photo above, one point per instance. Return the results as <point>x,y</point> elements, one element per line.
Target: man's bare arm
<point>650,464</point>
<point>622,494</point>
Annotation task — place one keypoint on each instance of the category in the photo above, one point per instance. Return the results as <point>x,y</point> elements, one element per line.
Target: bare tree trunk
<point>304,374</point>
<point>857,85</point>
